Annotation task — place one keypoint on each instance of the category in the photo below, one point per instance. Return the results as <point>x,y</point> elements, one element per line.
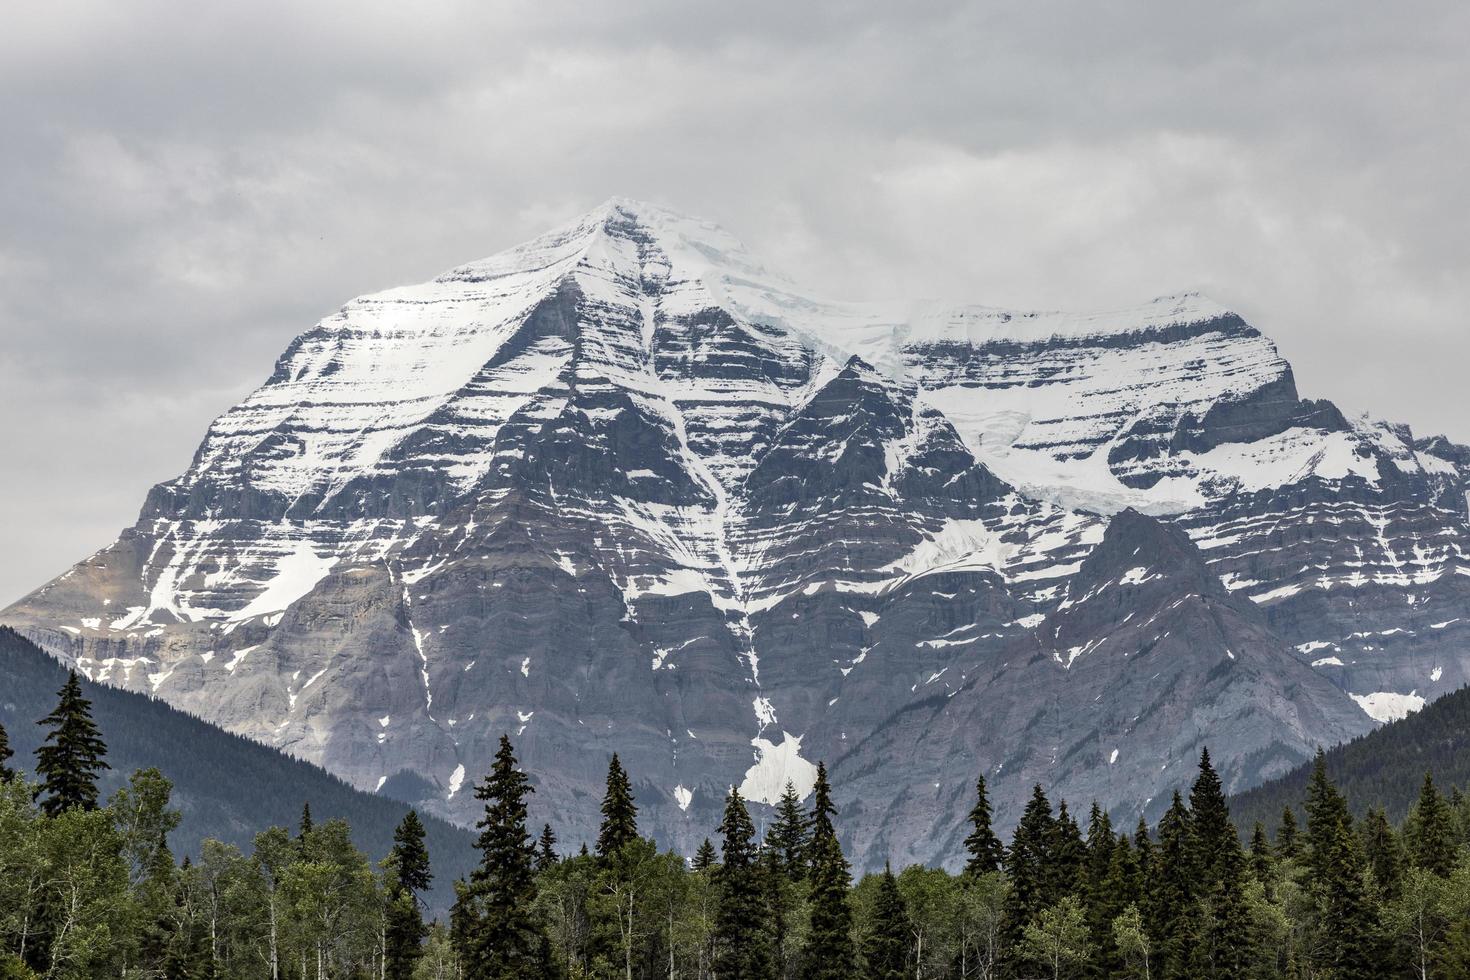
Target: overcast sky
<point>184,188</point>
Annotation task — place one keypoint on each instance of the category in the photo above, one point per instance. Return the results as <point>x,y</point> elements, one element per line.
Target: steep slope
<point>1384,768</point>
<point>225,787</point>
<point>623,488</point>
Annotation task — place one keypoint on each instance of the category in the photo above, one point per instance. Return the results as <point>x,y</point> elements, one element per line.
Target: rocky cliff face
<point>622,488</point>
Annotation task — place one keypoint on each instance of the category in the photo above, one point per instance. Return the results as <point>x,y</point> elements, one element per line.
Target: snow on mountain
<point>623,487</point>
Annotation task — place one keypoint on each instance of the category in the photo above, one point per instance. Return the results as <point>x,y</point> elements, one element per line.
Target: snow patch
<point>456,780</point>
<point>683,796</point>
<point>1389,706</point>
<point>775,766</point>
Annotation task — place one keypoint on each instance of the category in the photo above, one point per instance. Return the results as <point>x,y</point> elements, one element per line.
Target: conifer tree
<point>985,849</point>
<point>1028,864</point>
<point>1103,893</point>
<point>1143,850</point>
<point>409,874</point>
<point>704,857</point>
<point>546,849</point>
<point>885,947</point>
<point>1381,851</point>
<point>775,885</point>
<point>1260,862</point>
<point>72,755</point>
<point>619,815</point>
<point>1335,872</point>
<point>1211,832</point>
<point>1066,858</point>
<point>829,952</point>
<point>6,773</point>
<point>307,825</point>
<point>788,835</point>
<point>1174,892</point>
<point>495,929</point>
<point>741,937</point>
<point>1286,835</point>
<point>1434,831</point>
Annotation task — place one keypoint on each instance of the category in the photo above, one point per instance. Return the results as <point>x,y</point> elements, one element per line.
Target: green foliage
<point>6,773</point>
<point>619,815</point>
<point>986,853</point>
<point>829,953</point>
<point>885,945</point>
<point>72,755</point>
<point>408,871</point>
<point>1057,941</point>
<point>741,939</point>
<point>495,932</point>
<point>789,835</point>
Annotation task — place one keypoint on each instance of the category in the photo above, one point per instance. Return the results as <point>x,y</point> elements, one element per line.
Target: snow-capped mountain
<point>622,488</point>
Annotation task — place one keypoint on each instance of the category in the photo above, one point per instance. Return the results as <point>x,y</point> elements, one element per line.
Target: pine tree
<point>1067,853</point>
<point>1211,832</point>
<point>776,887</point>
<point>72,755</point>
<point>985,849</point>
<point>1028,864</point>
<point>546,849</point>
<point>1173,898</point>
<point>495,929</point>
<point>1260,863</point>
<point>619,815</point>
<point>1103,894</point>
<point>788,835</point>
<point>409,874</point>
<point>741,936</point>
<point>1286,835</point>
<point>1381,852</point>
<point>1434,832</point>
<point>704,857</point>
<point>6,773</point>
<point>1335,873</point>
<point>829,952</point>
<point>885,947</point>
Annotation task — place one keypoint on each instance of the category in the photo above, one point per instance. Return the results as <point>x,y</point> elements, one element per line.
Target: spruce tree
<point>829,952</point>
<point>1434,831</point>
<point>6,773</point>
<point>985,849</point>
<point>776,892</point>
<point>704,857</point>
<point>72,755</point>
<point>408,875</point>
<point>307,825</point>
<point>1286,835</point>
<point>495,929</point>
<point>546,849</point>
<point>742,947</point>
<point>1028,864</point>
<point>1173,898</point>
<point>1067,854</point>
<point>1336,879</point>
<point>1381,852</point>
<point>1260,862</point>
<point>1103,895</point>
<point>788,835</point>
<point>1211,832</point>
<point>885,947</point>
<point>619,815</point>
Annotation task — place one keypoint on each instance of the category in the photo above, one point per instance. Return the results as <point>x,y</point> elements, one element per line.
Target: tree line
<point>90,889</point>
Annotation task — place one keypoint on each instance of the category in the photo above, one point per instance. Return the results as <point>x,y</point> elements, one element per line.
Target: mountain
<point>1384,768</point>
<point>225,787</point>
<point>624,488</point>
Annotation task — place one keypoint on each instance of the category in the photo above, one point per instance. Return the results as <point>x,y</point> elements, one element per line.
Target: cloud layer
<point>184,190</point>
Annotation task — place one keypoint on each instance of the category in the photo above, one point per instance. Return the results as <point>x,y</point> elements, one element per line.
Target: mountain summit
<point>623,489</point>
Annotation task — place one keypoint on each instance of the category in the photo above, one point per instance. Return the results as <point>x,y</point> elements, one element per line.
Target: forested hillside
<point>1384,768</point>
<point>226,787</point>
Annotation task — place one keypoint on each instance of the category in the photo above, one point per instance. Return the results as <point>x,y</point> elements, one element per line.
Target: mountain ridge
<point>621,486</point>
